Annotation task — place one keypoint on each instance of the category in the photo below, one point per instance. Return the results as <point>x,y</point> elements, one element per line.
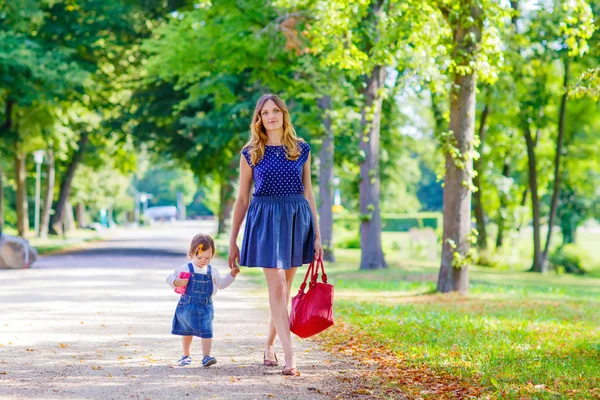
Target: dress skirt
<point>279,233</point>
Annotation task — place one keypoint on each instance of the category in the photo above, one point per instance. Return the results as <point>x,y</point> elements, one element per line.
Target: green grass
<point>513,331</point>
<point>59,243</point>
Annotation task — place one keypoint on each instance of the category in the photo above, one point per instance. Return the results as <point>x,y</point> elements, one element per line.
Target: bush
<point>488,258</point>
<point>394,222</point>
<point>349,243</point>
<point>570,259</point>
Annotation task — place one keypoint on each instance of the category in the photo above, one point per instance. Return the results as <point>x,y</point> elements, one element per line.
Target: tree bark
<point>478,166</point>
<point>501,217</point>
<point>326,182</point>
<point>48,196</point>
<point>8,121</point>
<point>369,187</point>
<point>457,194</point>
<point>538,265</point>
<point>69,217</point>
<point>227,196</point>
<point>4,131</point>
<point>80,215</point>
<point>438,114</point>
<point>22,206</point>
<point>1,201</point>
<point>65,187</point>
<point>557,157</point>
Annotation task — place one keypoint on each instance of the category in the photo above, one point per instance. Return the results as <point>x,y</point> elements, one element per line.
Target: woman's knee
<point>277,284</point>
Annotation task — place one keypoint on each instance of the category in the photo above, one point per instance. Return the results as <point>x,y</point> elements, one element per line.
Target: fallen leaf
<point>81,322</point>
<point>3,373</point>
<point>95,368</point>
<point>121,358</point>
<point>109,375</point>
<point>63,346</point>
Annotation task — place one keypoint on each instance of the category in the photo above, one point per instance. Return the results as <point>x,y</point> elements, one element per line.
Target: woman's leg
<point>277,284</point>
<point>270,342</point>
<point>186,341</point>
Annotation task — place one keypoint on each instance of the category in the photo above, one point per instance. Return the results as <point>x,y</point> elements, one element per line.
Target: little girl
<point>194,314</point>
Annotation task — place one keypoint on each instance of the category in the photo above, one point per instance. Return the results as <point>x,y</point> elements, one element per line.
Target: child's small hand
<point>180,282</point>
<point>235,271</point>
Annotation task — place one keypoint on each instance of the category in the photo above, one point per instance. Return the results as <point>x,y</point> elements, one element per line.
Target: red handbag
<point>312,312</point>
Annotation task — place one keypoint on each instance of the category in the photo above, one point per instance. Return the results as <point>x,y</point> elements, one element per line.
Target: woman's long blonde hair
<point>258,140</point>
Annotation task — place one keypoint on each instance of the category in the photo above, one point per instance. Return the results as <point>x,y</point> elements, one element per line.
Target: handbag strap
<point>309,270</point>
<point>315,274</point>
<point>313,270</point>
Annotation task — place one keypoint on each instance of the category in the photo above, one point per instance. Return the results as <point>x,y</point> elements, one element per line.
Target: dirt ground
<point>95,324</point>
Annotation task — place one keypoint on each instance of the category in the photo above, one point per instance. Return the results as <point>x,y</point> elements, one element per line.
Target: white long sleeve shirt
<point>219,282</point>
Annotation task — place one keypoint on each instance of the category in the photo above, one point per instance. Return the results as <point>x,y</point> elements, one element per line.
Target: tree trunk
<point>438,113</point>
<point>48,196</point>
<point>80,215</point>
<point>326,182</point>
<point>478,166</point>
<point>454,276</point>
<point>1,200</point>
<point>22,206</point>
<point>65,187</point>
<point>69,217</point>
<point>501,210</point>
<point>557,156</point>
<point>227,196</point>
<point>538,265</point>
<point>370,226</point>
<point>5,131</point>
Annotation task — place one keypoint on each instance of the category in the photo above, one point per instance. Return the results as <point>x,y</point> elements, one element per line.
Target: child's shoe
<point>185,361</point>
<point>208,361</point>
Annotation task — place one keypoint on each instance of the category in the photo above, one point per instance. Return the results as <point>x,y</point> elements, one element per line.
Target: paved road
<point>95,324</point>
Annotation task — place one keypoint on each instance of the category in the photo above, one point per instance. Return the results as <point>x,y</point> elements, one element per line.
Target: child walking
<point>194,314</point>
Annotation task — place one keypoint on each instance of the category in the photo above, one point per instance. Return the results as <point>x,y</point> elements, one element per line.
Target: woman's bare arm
<point>241,206</point>
<point>309,195</point>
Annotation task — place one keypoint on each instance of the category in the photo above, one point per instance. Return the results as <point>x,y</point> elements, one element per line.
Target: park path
<point>95,324</point>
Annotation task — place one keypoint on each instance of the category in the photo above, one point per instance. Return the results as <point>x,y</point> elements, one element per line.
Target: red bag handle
<point>313,270</point>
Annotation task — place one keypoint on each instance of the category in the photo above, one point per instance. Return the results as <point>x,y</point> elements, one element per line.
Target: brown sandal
<point>270,363</point>
<point>290,371</point>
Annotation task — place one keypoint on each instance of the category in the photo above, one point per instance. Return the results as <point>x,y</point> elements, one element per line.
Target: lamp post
<point>38,157</point>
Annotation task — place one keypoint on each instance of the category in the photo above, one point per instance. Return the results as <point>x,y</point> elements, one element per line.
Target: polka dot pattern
<point>275,175</point>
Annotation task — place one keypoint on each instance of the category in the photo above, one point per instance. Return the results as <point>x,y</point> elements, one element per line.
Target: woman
<point>281,230</point>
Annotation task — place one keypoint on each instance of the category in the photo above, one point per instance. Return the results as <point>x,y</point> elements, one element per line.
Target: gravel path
<point>95,324</point>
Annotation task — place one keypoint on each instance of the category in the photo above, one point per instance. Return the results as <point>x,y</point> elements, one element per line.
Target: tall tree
<point>326,179</point>
<point>466,24</point>
<point>469,34</point>
<point>49,194</point>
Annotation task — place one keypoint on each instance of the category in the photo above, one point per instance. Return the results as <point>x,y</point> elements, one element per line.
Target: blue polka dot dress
<point>279,230</point>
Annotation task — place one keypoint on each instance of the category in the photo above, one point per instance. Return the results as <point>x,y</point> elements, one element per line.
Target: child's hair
<point>201,242</point>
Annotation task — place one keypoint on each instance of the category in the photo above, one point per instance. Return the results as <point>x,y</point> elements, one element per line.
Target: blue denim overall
<point>194,314</point>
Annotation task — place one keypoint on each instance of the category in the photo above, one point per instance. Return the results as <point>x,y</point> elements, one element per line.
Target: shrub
<point>570,259</point>
<point>349,243</point>
<point>488,258</point>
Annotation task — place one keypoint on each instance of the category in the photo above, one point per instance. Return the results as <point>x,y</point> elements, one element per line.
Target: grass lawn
<point>516,335</point>
<point>54,244</point>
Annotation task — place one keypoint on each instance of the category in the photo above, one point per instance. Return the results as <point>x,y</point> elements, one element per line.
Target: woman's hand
<point>234,255</point>
<point>318,249</point>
